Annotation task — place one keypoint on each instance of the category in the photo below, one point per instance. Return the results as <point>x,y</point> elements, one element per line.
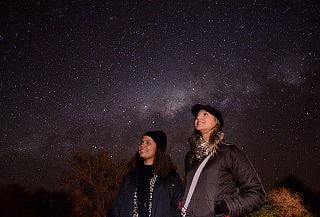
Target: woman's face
<point>205,122</point>
<point>147,149</point>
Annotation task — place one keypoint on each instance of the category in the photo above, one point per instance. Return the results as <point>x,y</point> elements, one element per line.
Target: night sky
<point>91,75</point>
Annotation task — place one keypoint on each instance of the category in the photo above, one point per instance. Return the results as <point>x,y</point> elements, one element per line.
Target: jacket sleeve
<point>251,196</point>
<point>177,190</point>
<point>119,198</point>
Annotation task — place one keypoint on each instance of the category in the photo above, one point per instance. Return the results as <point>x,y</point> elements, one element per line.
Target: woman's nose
<point>142,144</point>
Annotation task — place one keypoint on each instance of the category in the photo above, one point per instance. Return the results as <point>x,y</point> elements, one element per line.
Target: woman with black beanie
<point>152,187</point>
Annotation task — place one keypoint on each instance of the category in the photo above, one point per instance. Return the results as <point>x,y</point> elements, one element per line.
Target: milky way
<point>97,75</point>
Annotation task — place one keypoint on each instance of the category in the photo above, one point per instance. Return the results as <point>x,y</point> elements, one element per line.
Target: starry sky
<point>95,75</point>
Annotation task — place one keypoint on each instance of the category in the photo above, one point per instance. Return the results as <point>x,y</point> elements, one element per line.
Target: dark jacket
<point>228,176</point>
<point>168,191</point>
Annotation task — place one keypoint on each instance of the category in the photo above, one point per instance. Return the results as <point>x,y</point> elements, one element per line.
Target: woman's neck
<point>148,162</point>
<point>205,135</point>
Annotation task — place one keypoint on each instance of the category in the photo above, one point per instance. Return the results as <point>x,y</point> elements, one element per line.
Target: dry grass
<point>289,203</point>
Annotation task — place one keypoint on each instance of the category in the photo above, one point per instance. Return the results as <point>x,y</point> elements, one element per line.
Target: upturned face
<point>205,122</point>
<point>147,149</point>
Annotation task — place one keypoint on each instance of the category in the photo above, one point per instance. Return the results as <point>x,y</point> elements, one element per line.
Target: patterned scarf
<point>135,197</point>
<point>202,148</point>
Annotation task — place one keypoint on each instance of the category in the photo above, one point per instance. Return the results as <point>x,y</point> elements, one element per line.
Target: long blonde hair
<point>216,137</point>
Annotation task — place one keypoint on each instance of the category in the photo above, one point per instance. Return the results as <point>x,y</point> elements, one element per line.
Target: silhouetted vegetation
<point>16,201</point>
<point>93,183</point>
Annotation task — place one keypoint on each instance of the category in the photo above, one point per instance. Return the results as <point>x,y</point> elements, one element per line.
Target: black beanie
<point>159,137</point>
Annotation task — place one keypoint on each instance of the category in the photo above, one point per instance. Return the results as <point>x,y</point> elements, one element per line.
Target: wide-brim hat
<point>215,112</point>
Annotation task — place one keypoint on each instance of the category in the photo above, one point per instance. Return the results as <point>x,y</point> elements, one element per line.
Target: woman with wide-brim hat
<point>220,179</point>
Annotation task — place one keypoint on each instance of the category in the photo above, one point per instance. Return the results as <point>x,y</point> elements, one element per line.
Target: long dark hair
<point>162,163</point>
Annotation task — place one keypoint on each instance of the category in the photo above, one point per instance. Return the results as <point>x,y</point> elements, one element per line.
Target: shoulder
<point>189,155</point>
<point>130,174</point>
<point>229,149</point>
<point>232,152</point>
<point>235,157</point>
<point>190,152</point>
